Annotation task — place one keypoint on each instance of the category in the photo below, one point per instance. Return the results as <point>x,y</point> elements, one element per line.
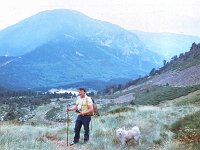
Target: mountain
<point>166,44</point>
<point>64,47</point>
<point>46,26</point>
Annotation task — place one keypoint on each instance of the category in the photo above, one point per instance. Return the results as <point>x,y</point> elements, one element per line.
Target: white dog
<point>126,135</point>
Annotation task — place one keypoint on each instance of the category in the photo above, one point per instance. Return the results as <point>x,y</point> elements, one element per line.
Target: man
<point>84,107</point>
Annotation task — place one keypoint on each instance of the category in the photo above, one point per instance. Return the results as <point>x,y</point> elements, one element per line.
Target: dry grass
<point>154,121</point>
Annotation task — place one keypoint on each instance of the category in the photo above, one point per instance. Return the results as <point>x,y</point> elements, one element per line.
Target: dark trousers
<point>85,121</point>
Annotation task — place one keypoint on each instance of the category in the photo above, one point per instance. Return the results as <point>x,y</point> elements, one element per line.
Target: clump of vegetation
<point>120,110</point>
<point>192,99</point>
<point>52,113</point>
<point>157,94</point>
<point>187,130</point>
<point>56,114</point>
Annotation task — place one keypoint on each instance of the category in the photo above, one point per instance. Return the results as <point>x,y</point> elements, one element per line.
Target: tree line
<point>193,53</point>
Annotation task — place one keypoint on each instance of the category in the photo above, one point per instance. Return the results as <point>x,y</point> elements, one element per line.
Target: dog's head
<point>120,131</point>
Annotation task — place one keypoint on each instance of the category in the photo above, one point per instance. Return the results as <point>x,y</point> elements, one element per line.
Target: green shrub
<point>120,110</point>
<point>187,129</point>
<point>158,94</point>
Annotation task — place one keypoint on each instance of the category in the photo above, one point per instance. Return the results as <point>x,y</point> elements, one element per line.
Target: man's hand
<point>81,113</point>
<point>67,110</point>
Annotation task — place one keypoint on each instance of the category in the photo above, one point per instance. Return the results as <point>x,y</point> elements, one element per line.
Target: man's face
<point>81,93</point>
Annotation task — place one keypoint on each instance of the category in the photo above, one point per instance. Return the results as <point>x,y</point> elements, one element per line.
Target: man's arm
<point>73,108</point>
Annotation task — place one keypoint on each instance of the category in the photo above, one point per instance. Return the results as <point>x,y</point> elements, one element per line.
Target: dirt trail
<point>62,143</point>
<point>58,142</point>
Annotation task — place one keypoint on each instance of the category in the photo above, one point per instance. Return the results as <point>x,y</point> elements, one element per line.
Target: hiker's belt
<point>85,115</point>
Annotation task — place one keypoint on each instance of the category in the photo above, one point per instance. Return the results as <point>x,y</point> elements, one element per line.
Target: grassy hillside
<point>155,123</point>
<point>151,95</point>
<point>156,94</point>
<point>151,119</point>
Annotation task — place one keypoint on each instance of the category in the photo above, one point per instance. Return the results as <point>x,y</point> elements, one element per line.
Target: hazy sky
<point>176,16</point>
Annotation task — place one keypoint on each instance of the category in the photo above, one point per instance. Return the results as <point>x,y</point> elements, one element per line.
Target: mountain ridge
<point>81,49</point>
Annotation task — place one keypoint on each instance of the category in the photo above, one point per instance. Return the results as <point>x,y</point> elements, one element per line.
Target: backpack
<point>95,109</point>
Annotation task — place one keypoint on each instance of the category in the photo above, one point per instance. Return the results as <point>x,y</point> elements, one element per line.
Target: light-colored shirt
<point>83,103</point>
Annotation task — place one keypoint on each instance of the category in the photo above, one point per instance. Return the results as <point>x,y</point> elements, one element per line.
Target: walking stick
<point>67,124</point>
<point>91,124</point>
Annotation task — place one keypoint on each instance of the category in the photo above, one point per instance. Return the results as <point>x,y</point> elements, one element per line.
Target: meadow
<point>170,125</point>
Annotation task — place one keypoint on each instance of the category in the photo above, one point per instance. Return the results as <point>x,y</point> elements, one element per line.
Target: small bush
<point>120,110</point>
<point>187,129</point>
